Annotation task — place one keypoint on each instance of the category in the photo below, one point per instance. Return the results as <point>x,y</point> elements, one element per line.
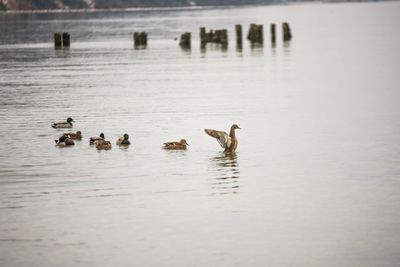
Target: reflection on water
<point>62,52</point>
<point>286,48</point>
<point>226,178</point>
<point>273,45</point>
<point>257,49</point>
<point>239,47</point>
<point>213,47</point>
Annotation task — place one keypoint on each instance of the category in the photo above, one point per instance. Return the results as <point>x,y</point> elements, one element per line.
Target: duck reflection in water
<point>226,177</point>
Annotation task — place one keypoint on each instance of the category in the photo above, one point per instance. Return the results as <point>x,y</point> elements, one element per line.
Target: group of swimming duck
<point>228,142</point>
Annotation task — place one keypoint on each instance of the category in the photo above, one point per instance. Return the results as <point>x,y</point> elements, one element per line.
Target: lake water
<point>315,180</point>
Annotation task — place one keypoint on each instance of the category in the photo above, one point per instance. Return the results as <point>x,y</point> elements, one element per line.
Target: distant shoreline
<point>136,9</point>
<point>92,10</point>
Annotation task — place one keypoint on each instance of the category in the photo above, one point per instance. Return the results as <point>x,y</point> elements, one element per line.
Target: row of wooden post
<point>255,36</point>
<point>61,40</point>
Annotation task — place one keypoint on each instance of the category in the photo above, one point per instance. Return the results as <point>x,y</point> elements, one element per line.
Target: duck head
<point>69,120</point>
<point>183,142</point>
<point>79,133</point>
<point>235,126</point>
<point>102,135</point>
<point>126,137</point>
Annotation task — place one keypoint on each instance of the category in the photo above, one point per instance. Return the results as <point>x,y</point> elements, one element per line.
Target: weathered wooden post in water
<point>57,40</point>
<point>239,41</point>
<point>140,39</point>
<point>65,39</point>
<point>222,38</point>
<point>143,37</point>
<point>255,35</point>
<point>287,35</point>
<point>185,42</point>
<point>217,36</point>
<point>203,37</point>
<point>273,33</point>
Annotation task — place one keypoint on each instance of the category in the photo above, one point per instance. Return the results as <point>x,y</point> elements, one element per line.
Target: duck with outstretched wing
<point>227,142</point>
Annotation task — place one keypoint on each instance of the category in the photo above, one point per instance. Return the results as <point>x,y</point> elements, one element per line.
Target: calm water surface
<point>315,181</point>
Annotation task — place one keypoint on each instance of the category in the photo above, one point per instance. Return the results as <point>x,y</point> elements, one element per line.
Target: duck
<point>228,142</point>
<point>63,124</point>
<point>75,136</point>
<point>102,144</point>
<point>93,139</point>
<point>123,140</point>
<point>181,145</point>
<point>64,141</point>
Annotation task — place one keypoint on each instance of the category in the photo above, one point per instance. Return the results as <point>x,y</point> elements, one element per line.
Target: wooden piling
<point>136,39</point>
<point>143,38</point>
<point>57,40</point>
<point>223,37</point>
<point>239,40</point>
<point>185,41</point>
<point>217,36</point>
<point>255,34</point>
<point>287,34</point>
<point>140,39</point>
<point>66,39</point>
<point>273,33</point>
<point>203,37</point>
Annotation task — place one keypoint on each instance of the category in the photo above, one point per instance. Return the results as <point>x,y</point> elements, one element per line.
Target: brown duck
<point>75,136</point>
<point>95,138</point>
<point>227,142</point>
<point>102,144</point>
<point>181,145</point>
<point>64,141</point>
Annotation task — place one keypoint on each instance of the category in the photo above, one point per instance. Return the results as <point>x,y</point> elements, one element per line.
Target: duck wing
<point>94,139</point>
<point>171,143</point>
<point>222,137</point>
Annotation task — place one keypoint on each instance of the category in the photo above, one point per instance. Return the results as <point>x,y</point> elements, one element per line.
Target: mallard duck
<point>64,141</point>
<point>63,124</point>
<point>181,145</point>
<point>227,142</point>
<point>103,144</point>
<point>75,136</point>
<point>123,140</point>
<point>93,139</point>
